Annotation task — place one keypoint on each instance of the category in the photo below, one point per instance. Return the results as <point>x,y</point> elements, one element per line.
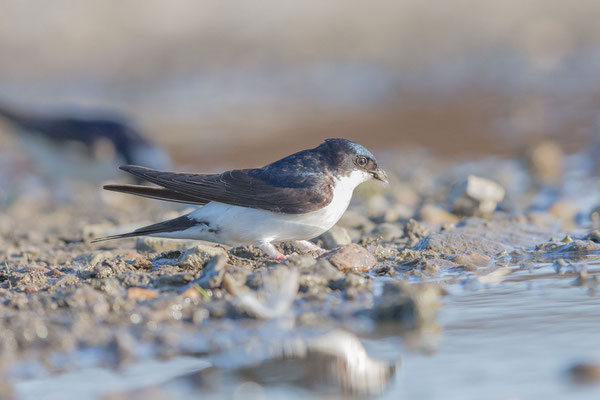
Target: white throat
<point>344,186</point>
<point>342,194</point>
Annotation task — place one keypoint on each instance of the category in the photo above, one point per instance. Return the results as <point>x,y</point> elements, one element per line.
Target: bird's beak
<point>380,175</point>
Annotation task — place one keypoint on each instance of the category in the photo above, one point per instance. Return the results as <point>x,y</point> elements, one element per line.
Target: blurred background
<point>222,83</point>
<point>465,103</point>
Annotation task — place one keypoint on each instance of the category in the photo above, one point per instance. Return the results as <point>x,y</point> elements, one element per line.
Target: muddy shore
<point>67,304</point>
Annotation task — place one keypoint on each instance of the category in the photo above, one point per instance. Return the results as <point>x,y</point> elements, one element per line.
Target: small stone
<point>212,274</point>
<point>158,245</point>
<point>30,289</point>
<point>317,273</point>
<point>54,273</point>
<point>142,263</point>
<point>476,196</point>
<point>232,286</point>
<point>585,373</point>
<point>472,258</point>
<point>335,237</point>
<point>375,206</point>
<point>101,270</point>
<point>354,220</point>
<point>352,257</point>
<point>436,215</point>
<point>594,236</point>
<point>191,293</point>
<point>566,212</point>
<point>67,280</point>
<point>397,212</point>
<point>411,305</point>
<point>35,268</point>
<point>546,162</point>
<point>198,256</point>
<point>388,231</point>
<point>93,258</point>
<point>415,231</point>
<point>138,293</point>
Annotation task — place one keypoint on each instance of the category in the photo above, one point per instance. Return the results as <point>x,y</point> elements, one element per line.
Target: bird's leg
<point>305,245</point>
<point>271,251</point>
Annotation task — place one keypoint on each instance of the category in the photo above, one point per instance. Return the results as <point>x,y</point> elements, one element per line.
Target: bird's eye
<point>361,161</point>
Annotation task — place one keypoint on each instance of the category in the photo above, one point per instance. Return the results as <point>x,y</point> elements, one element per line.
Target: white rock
<point>476,195</point>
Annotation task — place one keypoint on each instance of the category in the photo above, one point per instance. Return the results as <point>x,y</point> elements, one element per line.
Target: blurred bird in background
<point>65,149</point>
<point>86,147</point>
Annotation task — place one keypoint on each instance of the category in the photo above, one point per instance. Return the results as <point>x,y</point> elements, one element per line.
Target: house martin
<point>294,199</point>
<point>88,147</point>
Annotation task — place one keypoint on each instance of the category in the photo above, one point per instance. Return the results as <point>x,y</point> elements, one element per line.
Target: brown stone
<point>191,293</point>
<point>138,293</point>
<point>54,273</point>
<point>352,257</point>
<point>585,373</point>
<point>142,263</point>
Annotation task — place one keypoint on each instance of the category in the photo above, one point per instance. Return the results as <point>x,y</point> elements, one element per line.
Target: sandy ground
<point>124,301</point>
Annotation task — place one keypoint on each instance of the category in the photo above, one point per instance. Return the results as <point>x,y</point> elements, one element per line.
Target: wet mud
<point>310,322</point>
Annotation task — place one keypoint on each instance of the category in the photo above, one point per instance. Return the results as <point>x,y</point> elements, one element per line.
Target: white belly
<point>235,225</point>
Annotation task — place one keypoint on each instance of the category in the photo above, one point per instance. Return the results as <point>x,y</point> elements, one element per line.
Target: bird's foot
<point>305,245</point>
<point>272,252</point>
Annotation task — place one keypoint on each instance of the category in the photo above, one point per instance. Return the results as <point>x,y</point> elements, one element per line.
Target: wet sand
<point>502,302</point>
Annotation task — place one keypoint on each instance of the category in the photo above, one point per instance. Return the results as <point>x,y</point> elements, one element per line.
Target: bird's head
<point>348,157</point>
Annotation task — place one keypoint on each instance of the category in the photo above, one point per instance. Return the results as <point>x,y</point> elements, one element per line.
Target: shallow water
<point>515,340</point>
<point>509,340</point>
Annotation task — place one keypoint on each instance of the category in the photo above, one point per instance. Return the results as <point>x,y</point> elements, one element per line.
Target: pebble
<point>471,258</point>
<point>191,293</point>
<point>415,231</point>
<point>397,212</point>
<point>335,237</point>
<point>585,373</point>
<point>546,162</point>
<point>137,293</point>
<point>54,273</point>
<point>317,274</point>
<point>199,255</point>
<point>375,206</point>
<point>67,280</point>
<point>475,196</point>
<point>354,220</point>
<point>412,305</point>
<point>566,212</point>
<point>388,231</point>
<point>436,215</point>
<point>158,245</point>
<point>212,274</point>
<point>352,257</point>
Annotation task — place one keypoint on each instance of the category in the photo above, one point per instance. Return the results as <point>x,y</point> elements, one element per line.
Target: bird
<point>296,198</point>
<point>85,147</point>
